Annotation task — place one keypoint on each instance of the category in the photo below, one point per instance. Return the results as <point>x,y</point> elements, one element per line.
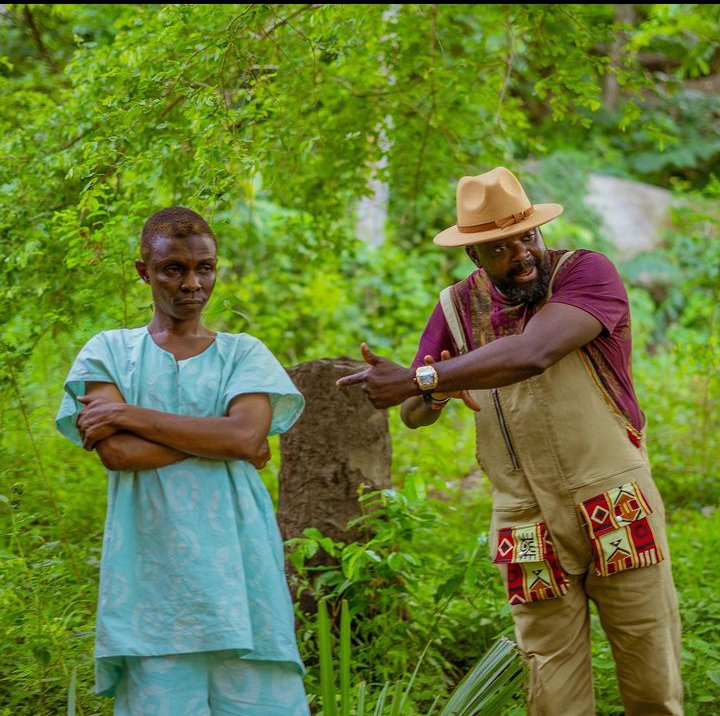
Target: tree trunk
<point>623,14</point>
<point>338,448</point>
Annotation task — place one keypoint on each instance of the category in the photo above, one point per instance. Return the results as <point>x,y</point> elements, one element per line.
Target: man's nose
<point>521,252</point>
<point>192,282</point>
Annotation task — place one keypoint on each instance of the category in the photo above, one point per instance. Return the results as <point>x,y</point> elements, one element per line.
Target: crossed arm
<point>128,437</point>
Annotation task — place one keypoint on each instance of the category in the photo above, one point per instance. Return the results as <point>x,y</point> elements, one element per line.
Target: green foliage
<point>685,124</point>
<point>272,120</point>
<point>47,614</point>
<point>694,540</point>
<point>486,689</point>
<point>695,567</point>
<point>344,297</point>
<point>491,684</point>
<point>680,393</point>
<point>402,592</point>
<point>686,33</point>
<point>669,132</point>
<point>239,109</point>
<point>684,427</point>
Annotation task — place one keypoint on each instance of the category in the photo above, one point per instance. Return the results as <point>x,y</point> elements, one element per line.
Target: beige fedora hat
<point>491,206</point>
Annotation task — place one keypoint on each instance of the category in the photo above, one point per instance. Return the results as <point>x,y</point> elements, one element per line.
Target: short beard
<point>526,292</point>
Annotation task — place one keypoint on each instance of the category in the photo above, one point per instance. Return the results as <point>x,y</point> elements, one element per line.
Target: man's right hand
<point>385,382</point>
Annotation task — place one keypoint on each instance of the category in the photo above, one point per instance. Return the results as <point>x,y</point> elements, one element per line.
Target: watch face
<point>426,377</point>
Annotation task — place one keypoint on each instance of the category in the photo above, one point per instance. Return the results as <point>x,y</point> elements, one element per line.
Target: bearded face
<point>518,266</point>
<point>526,291</point>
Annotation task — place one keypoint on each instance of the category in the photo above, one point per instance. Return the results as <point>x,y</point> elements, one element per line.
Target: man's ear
<point>141,268</point>
<point>471,251</point>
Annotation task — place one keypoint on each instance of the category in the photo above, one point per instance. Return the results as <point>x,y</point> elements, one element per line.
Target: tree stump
<point>339,447</point>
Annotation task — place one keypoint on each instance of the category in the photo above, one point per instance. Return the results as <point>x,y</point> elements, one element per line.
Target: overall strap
<point>560,262</point>
<point>452,318</point>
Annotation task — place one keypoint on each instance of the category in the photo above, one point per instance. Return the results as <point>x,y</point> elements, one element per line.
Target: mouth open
<point>529,274</point>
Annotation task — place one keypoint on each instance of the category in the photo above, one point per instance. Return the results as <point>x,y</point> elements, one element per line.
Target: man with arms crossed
<point>194,615</point>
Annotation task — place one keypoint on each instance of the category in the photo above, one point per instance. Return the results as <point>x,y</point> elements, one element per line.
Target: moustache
<point>524,266</point>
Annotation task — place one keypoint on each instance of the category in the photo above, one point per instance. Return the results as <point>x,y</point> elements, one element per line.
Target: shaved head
<point>176,222</point>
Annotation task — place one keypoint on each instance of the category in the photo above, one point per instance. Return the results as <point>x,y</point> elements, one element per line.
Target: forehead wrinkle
<point>165,248</point>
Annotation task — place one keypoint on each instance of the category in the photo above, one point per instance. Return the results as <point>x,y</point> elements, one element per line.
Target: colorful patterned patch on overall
<point>533,570</point>
<point>620,532</point>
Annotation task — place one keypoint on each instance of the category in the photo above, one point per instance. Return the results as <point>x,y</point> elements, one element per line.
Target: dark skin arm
<point>123,450</point>
<point>128,437</point>
<point>554,332</point>
<point>416,413</point>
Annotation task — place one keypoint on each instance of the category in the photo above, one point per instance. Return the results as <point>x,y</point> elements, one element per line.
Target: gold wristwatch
<point>426,378</point>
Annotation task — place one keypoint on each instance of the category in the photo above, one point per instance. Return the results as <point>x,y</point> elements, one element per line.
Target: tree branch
<point>508,75</point>
<point>37,37</point>
<point>180,98</point>
<point>433,105</point>
<point>286,19</point>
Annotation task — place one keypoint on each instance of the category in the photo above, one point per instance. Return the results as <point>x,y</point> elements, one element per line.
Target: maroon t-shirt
<point>587,280</point>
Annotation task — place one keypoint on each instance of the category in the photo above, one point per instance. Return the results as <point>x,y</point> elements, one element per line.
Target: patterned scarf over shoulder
<point>490,315</point>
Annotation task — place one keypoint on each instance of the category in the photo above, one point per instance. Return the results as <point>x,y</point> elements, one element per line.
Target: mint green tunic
<point>192,557</point>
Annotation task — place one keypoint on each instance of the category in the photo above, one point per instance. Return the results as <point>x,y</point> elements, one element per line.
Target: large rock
<point>634,215</point>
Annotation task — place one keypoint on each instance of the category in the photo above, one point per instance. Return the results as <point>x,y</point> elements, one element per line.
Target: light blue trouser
<point>213,683</point>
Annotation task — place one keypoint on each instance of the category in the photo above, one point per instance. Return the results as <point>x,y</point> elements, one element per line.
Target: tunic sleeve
<point>256,370</point>
<point>92,364</point>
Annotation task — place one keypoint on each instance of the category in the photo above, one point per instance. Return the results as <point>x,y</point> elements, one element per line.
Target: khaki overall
<point>549,444</point>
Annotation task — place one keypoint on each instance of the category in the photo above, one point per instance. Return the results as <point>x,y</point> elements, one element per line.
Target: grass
<point>51,516</point>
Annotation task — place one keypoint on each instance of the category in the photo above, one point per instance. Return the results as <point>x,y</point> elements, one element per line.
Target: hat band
<point>499,223</point>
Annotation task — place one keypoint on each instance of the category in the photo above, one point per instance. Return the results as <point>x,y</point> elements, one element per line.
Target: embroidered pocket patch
<point>619,530</point>
<point>533,571</point>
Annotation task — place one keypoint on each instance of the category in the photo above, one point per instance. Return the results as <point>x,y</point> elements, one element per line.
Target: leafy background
<point>272,121</point>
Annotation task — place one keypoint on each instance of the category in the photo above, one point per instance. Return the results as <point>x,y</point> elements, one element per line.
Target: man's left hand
<point>463,395</point>
<point>97,420</point>
<point>263,456</point>
<point>386,383</point>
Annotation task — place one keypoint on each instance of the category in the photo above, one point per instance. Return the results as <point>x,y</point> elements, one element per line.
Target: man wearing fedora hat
<point>538,343</point>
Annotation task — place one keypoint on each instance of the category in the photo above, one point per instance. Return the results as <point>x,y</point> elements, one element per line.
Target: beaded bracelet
<point>438,403</point>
